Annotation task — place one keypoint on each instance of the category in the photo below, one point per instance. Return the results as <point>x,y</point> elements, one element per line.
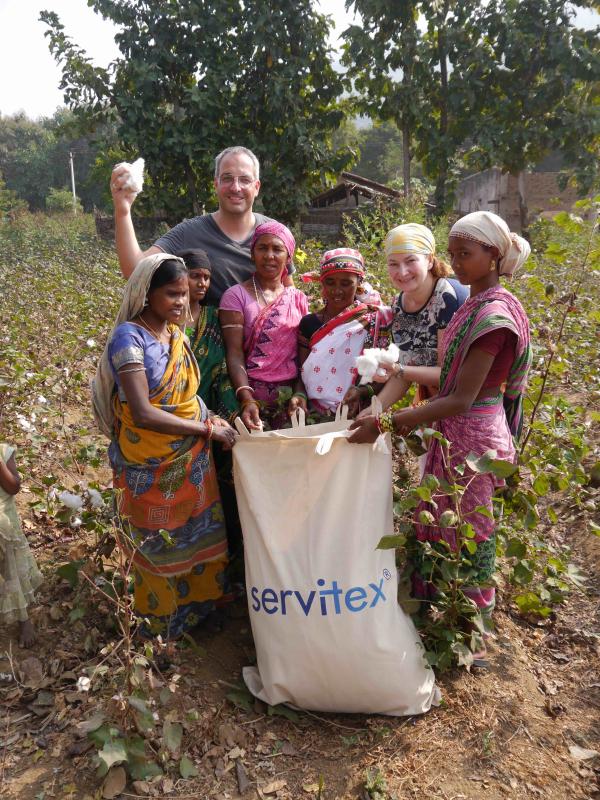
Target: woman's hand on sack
<point>223,433</point>
<point>122,198</point>
<point>364,430</point>
<point>352,399</point>
<point>251,418</point>
<point>296,402</point>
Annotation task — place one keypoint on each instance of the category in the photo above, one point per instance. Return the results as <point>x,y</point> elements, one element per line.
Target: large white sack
<point>329,633</point>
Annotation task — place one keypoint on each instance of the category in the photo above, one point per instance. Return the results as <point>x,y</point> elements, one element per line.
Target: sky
<point>30,76</point>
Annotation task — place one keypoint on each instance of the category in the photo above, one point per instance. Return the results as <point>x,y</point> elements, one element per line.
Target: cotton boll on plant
<point>369,363</point>
<point>135,177</point>
<point>70,500</point>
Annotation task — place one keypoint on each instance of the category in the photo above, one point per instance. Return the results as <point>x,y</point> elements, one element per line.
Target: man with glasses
<point>225,234</point>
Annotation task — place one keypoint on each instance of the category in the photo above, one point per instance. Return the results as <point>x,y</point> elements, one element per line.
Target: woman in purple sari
<point>486,355</point>
<point>259,319</point>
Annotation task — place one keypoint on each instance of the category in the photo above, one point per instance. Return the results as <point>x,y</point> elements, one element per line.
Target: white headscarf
<point>490,229</point>
<point>134,299</point>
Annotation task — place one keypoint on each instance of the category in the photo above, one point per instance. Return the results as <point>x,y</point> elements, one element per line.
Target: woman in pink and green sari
<point>486,356</point>
<point>259,319</point>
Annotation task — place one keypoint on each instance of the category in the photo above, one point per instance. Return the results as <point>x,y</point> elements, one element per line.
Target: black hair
<point>168,271</point>
<point>195,259</point>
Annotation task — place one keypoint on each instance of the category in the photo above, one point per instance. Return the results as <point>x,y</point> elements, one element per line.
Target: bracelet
<point>370,390</point>
<point>399,371</point>
<point>385,422</point>
<point>133,369</point>
<point>249,402</point>
<point>239,389</point>
<point>301,394</point>
<point>210,427</point>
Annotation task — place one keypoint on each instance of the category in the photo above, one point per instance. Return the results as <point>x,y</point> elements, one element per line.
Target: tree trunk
<point>523,210</point>
<point>406,159</point>
<point>440,186</point>
<point>191,184</point>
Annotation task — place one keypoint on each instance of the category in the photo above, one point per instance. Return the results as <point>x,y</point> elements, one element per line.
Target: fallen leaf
<point>114,783</point>
<point>141,787</point>
<point>187,768</point>
<point>91,724</point>
<point>310,788</point>
<point>167,785</point>
<point>236,753</point>
<point>274,786</point>
<point>242,777</point>
<point>172,733</point>
<point>31,671</point>
<point>581,754</point>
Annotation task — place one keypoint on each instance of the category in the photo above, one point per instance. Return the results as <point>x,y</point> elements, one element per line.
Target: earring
<point>492,266</point>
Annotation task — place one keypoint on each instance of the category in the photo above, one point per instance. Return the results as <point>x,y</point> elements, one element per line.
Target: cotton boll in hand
<point>369,363</point>
<point>390,355</point>
<point>135,177</point>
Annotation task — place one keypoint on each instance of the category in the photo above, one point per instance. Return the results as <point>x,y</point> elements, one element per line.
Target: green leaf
<point>541,485</point>
<point>530,603</point>
<point>187,768</point>
<point>515,549</point>
<point>523,573</point>
<point>172,735</point>
<point>282,710</point>
<point>391,542</point>
<point>467,530</point>
<point>463,655</point>
<point>112,753</point>
<point>70,572</point>
<point>484,511</point>
<point>241,698</point>
<point>77,613</point>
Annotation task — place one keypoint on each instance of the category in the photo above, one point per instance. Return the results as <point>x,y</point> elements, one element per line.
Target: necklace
<point>145,324</point>
<point>261,292</point>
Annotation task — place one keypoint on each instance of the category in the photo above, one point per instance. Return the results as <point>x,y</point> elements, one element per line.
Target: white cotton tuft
<point>135,179</point>
<point>70,500</point>
<point>369,363</point>
<point>96,500</point>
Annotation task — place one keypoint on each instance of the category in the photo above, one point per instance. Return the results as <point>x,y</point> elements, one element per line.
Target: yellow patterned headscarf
<point>410,238</point>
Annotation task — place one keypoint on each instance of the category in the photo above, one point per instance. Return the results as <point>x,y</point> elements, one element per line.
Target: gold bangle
<point>386,422</point>
<point>251,402</point>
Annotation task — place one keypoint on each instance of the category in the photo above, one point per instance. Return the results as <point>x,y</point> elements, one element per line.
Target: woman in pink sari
<point>486,355</point>
<point>260,319</point>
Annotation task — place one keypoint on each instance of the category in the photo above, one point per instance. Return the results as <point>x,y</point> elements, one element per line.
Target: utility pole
<point>73,183</point>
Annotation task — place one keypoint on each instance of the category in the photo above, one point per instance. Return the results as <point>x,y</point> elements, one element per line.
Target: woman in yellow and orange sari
<point>165,483</point>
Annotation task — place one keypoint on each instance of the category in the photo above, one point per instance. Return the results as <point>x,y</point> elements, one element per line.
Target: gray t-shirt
<point>230,260</point>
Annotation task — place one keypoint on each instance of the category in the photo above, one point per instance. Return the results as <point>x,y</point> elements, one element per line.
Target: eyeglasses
<point>245,181</point>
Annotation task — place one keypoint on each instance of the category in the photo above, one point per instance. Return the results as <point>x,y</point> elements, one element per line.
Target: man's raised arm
<point>128,249</point>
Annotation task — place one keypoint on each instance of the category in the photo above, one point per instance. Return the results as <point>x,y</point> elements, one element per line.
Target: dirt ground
<point>519,730</point>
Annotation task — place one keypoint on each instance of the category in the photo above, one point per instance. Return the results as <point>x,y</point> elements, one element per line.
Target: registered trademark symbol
<point>387,574</point>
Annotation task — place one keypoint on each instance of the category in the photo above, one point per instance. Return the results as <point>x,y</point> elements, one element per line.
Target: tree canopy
<point>196,76</point>
<point>505,83</point>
